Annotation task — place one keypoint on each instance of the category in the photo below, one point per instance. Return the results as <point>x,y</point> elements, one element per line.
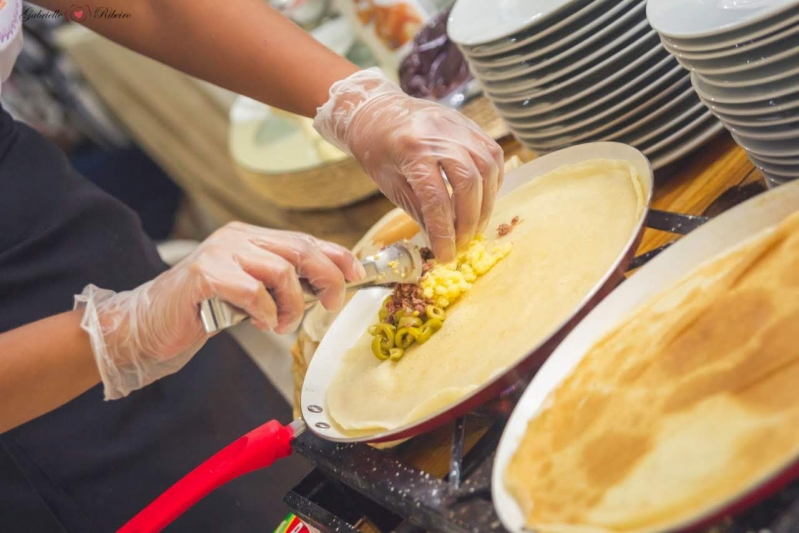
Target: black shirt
<point>91,465</point>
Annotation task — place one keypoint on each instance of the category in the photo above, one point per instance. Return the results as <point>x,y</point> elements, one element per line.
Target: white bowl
<point>548,71</point>
<point>474,22</point>
<point>560,45</point>
<point>542,112</point>
<point>738,50</point>
<point>781,148</point>
<point>768,133</point>
<point>785,89</point>
<point>772,120</point>
<point>684,146</point>
<point>773,182</point>
<point>780,177</point>
<point>620,66</point>
<point>575,11</point>
<point>759,76</point>
<point>692,19</point>
<point>776,169</point>
<point>740,37</point>
<point>744,62</point>
<point>777,160</point>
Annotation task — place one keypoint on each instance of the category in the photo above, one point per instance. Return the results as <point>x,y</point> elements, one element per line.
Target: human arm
<point>413,149</point>
<point>130,339</point>
<point>43,365</point>
<point>243,45</point>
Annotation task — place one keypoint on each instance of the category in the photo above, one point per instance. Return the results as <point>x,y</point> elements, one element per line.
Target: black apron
<point>90,465</point>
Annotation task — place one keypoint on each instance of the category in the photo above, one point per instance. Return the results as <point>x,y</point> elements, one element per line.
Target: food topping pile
<point>412,313</point>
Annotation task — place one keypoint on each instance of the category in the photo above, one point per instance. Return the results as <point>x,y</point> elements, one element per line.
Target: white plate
<point>721,233</point>
<point>685,146</point>
<point>602,118</point>
<point>521,62</point>
<point>637,36</point>
<point>691,19</point>
<point>740,37</point>
<point>641,124</point>
<point>360,311</point>
<point>497,49</point>
<point>547,139</point>
<point>588,110</point>
<point>694,123</point>
<point>474,22</point>
<point>739,50</point>
<point>548,112</point>
<point>554,43</point>
<point>689,108</point>
<point>649,114</point>
<point>612,115</point>
<point>615,67</point>
<point>781,148</point>
<point>786,88</point>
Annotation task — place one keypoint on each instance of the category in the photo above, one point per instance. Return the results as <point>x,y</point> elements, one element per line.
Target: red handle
<point>257,449</point>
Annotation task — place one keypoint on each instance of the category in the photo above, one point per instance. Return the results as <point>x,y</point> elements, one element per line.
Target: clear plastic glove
<point>404,143</point>
<point>142,335</point>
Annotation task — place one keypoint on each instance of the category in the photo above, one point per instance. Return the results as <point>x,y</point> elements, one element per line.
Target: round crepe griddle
<point>721,233</point>
<point>358,314</point>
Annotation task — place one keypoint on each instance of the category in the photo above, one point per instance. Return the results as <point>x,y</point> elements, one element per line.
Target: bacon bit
<point>426,253</point>
<point>504,229</point>
<point>405,296</point>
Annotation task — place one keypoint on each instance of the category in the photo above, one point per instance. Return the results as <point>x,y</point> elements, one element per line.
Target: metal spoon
<point>399,263</point>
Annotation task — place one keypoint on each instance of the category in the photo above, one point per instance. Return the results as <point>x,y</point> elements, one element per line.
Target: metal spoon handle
<point>217,314</point>
<point>399,263</point>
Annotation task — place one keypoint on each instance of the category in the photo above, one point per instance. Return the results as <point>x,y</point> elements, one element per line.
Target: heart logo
<point>77,14</point>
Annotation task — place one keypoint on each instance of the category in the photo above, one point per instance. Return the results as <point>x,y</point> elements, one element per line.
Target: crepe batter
<point>577,221</point>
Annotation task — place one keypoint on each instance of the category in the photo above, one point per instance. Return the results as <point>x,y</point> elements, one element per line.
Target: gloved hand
<point>404,144</point>
<point>142,335</point>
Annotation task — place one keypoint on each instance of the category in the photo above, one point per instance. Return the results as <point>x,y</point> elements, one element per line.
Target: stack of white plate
<point>744,61</point>
<point>563,72</point>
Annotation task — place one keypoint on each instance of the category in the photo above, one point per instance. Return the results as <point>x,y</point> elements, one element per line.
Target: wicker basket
<point>344,182</point>
<point>324,187</point>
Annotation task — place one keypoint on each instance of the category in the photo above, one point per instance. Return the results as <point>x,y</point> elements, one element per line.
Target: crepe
<point>690,401</point>
<point>574,224</point>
